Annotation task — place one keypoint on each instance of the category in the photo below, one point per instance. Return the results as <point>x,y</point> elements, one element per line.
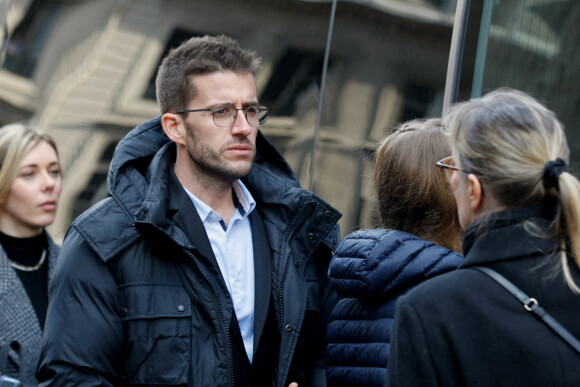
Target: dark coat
<point>369,271</point>
<point>138,297</point>
<point>18,320</point>
<point>464,329</point>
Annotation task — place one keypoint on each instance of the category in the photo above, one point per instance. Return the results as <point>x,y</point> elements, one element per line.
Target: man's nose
<point>241,126</point>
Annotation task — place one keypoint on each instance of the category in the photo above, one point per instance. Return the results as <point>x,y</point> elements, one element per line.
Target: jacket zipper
<point>306,213</point>
<point>224,325</point>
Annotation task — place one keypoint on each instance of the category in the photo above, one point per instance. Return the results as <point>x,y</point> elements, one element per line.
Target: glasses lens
<point>448,166</point>
<point>252,115</point>
<point>262,115</point>
<point>256,115</point>
<point>223,115</point>
<point>450,161</point>
<point>449,174</point>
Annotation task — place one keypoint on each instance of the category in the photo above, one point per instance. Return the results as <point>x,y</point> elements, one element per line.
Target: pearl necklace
<point>29,268</point>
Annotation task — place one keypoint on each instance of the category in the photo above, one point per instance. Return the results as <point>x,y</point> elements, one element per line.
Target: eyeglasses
<point>448,166</point>
<point>225,115</point>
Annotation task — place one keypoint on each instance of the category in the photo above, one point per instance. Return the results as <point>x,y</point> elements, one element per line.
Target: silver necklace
<point>29,268</point>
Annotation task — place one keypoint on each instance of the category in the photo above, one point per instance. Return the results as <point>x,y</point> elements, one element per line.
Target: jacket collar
<point>138,183</point>
<point>384,262</point>
<point>509,234</point>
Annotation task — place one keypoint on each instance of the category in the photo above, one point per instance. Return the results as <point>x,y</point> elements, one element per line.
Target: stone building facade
<point>84,70</point>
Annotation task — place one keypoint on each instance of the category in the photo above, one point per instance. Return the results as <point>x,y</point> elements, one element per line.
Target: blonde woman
<point>30,185</point>
<point>519,207</point>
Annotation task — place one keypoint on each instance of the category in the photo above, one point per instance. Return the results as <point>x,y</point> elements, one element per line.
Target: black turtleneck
<point>28,252</point>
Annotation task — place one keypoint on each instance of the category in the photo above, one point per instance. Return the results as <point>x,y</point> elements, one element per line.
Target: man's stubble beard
<point>211,164</point>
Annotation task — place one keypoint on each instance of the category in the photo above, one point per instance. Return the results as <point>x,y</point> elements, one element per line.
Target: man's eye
<point>252,110</point>
<point>221,111</point>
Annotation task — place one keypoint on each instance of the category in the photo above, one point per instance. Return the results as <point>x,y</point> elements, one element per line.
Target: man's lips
<point>240,150</point>
<point>240,147</point>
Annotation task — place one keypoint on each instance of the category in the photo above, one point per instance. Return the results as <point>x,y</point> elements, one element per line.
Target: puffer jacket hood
<point>128,172</point>
<point>381,262</point>
<point>137,180</point>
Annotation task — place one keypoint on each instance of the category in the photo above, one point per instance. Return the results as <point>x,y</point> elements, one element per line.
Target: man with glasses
<point>207,264</point>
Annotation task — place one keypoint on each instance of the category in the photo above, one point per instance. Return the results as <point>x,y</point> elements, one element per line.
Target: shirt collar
<point>243,200</point>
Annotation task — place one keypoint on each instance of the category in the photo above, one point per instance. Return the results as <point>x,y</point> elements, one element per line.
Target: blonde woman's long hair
<point>506,138</point>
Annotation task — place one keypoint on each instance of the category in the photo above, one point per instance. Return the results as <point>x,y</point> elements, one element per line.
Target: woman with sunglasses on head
<point>520,209</point>
<point>30,186</point>
<point>371,268</point>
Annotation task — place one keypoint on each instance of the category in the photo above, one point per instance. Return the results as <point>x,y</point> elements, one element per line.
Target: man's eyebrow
<point>252,103</point>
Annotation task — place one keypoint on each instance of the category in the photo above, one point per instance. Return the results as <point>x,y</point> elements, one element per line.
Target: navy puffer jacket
<point>369,271</point>
<point>138,299</point>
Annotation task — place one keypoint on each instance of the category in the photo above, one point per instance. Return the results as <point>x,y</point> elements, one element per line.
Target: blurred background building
<point>84,70</point>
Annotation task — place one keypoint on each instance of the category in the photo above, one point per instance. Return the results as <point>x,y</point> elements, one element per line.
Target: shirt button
<point>181,308</point>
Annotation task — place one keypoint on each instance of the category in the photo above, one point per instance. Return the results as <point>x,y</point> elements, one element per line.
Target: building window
<point>295,73</point>
<point>26,42</point>
<point>177,37</point>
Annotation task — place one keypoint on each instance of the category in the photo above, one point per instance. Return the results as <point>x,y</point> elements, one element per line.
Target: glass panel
<point>27,41</point>
<point>96,72</point>
<point>389,61</point>
<point>531,45</point>
<point>296,71</point>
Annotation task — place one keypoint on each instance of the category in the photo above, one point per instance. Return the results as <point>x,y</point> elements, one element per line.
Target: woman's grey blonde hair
<point>506,138</point>
<point>16,140</point>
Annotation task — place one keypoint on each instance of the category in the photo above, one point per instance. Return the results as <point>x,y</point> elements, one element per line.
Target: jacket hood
<point>133,159</point>
<point>382,262</point>
<point>136,150</point>
<point>138,183</point>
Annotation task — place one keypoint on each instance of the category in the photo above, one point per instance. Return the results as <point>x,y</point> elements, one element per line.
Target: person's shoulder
<point>364,241</point>
<point>399,249</point>
<point>106,227</point>
<point>105,216</point>
<point>444,287</point>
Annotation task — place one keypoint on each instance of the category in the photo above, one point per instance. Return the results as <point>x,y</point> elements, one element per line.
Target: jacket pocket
<point>157,322</point>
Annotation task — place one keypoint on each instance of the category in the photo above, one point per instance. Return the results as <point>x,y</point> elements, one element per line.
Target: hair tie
<point>552,171</point>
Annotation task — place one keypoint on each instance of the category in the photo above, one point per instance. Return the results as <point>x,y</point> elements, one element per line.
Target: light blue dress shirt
<point>233,248</point>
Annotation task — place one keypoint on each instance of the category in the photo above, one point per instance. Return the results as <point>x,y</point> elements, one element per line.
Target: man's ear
<point>475,193</point>
<point>173,127</point>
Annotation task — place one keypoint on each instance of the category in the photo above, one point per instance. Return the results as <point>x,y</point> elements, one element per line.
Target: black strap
<point>531,305</point>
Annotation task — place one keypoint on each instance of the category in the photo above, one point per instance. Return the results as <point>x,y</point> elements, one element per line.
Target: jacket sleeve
<point>410,362</point>
<point>83,336</point>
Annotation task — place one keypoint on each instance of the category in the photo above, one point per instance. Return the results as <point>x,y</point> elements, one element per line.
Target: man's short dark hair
<point>195,56</point>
